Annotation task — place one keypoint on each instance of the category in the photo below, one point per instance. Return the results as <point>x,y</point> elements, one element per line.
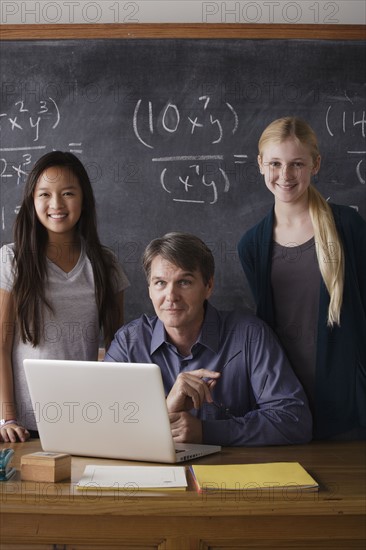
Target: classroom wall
<point>183,11</point>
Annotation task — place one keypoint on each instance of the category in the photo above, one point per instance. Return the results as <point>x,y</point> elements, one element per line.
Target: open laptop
<point>102,409</point>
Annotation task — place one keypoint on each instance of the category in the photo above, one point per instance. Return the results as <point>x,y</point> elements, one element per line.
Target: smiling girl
<point>58,287</point>
<point>306,266</point>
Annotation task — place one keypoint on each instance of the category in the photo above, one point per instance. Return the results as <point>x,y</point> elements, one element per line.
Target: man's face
<point>178,295</point>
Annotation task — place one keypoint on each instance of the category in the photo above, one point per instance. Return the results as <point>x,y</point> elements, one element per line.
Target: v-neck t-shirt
<point>69,331</point>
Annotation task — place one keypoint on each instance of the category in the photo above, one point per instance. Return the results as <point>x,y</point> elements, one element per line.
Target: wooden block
<point>45,466</point>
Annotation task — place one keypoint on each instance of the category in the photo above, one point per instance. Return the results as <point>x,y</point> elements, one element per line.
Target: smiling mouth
<point>291,186</point>
<point>57,216</point>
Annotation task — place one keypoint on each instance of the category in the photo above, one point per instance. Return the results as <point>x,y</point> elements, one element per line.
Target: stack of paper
<point>133,478</point>
<point>274,475</point>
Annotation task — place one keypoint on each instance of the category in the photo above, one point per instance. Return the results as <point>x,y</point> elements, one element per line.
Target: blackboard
<point>168,131</point>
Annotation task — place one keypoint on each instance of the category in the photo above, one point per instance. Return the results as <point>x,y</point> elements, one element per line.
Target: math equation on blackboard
<point>204,171</point>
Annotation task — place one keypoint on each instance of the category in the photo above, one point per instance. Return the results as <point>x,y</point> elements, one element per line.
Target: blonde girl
<point>306,266</point>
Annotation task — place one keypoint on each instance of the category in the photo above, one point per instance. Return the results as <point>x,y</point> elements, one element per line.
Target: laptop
<point>103,409</point>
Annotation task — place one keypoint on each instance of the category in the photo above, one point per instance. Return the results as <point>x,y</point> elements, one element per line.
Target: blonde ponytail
<point>329,251</point>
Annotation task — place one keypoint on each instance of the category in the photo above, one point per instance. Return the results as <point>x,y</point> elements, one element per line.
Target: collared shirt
<point>257,399</point>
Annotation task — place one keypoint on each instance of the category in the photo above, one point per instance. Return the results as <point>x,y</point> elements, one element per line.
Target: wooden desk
<point>57,516</point>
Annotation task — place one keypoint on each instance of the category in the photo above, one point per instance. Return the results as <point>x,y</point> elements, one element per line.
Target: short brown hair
<point>182,249</point>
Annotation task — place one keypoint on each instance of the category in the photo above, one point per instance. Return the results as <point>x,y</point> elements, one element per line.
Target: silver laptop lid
<point>101,409</point>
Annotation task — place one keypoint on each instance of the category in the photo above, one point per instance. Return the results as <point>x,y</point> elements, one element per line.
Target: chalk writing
<point>21,117</point>
<point>28,123</point>
<point>342,122</point>
<point>199,171</point>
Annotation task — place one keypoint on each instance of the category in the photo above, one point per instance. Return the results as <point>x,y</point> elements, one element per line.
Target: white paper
<point>133,477</point>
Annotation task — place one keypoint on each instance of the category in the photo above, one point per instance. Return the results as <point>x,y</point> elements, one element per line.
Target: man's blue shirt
<point>257,399</point>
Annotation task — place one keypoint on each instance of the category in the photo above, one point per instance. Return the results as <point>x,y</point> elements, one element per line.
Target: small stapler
<point>5,470</point>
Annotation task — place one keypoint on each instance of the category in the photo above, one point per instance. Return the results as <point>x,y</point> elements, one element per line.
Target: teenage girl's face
<point>287,168</point>
<point>58,200</point>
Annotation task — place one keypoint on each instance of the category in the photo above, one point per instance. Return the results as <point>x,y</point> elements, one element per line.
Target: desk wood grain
<point>59,516</point>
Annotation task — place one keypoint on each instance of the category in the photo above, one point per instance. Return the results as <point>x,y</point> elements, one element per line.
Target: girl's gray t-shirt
<point>295,280</point>
<point>70,331</point>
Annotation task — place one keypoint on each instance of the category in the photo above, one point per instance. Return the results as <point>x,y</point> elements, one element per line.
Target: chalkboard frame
<point>183,30</point>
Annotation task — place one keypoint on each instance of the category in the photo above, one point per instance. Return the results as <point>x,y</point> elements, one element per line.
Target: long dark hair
<point>31,238</point>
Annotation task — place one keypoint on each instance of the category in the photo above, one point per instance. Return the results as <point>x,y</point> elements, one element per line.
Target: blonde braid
<point>329,251</point>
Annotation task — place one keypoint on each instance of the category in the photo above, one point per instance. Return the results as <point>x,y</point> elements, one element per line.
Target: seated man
<point>226,378</point>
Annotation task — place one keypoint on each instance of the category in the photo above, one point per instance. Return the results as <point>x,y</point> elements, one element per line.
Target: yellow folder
<point>231,477</point>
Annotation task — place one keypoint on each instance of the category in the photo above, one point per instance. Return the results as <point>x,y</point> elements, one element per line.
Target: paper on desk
<point>133,478</point>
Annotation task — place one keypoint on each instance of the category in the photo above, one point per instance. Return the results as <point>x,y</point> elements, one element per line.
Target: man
<point>226,378</point>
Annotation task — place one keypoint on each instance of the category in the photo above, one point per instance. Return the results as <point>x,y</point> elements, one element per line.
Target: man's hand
<point>185,428</point>
<point>191,390</point>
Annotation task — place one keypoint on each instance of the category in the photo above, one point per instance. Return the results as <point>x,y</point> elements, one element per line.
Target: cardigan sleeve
<point>255,253</point>
<point>246,251</point>
<point>352,229</point>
